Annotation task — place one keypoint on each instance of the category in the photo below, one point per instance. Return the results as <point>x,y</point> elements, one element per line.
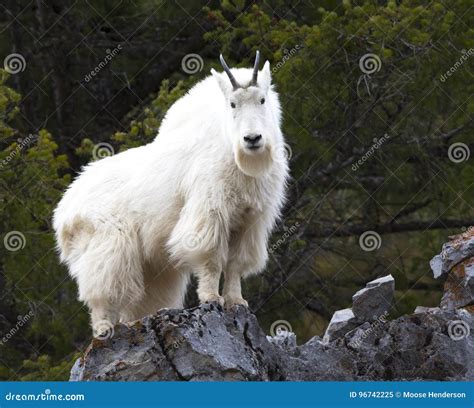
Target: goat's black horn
<point>234,83</point>
<point>255,69</point>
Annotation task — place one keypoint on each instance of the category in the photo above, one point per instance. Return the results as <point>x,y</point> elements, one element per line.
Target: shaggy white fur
<point>199,199</point>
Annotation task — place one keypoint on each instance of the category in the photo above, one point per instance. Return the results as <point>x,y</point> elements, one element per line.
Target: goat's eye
<point>232,105</point>
<point>262,101</point>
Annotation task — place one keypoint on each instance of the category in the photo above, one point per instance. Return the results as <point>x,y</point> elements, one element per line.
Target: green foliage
<point>33,179</point>
<point>144,129</point>
<point>8,106</point>
<point>42,369</point>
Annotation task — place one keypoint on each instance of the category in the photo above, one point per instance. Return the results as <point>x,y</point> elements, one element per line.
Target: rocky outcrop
<point>207,343</point>
<point>374,300</point>
<point>453,253</point>
<point>342,321</point>
<point>456,264</point>
<point>368,304</point>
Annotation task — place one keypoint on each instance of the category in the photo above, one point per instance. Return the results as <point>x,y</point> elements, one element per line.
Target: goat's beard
<point>253,164</point>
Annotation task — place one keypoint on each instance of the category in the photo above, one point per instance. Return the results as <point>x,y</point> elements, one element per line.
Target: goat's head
<point>253,115</point>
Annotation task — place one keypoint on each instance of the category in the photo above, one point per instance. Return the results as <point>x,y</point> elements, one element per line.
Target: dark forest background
<point>380,148</point>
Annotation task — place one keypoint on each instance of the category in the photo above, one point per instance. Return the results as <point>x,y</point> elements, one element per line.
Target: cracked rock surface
<point>207,343</point>
<point>210,344</point>
<point>368,304</point>
<point>460,248</point>
<point>342,321</point>
<point>374,300</point>
<point>455,263</point>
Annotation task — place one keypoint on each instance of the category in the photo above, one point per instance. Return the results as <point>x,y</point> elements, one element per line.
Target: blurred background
<point>378,116</point>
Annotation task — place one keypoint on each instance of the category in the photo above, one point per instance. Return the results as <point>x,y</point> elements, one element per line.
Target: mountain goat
<point>201,198</point>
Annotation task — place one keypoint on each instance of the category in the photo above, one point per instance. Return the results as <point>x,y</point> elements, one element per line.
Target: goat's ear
<point>221,81</point>
<point>265,77</point>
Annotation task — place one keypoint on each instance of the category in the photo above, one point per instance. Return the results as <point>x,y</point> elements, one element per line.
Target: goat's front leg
<point>232,286</point>
<point>247,255</point>
<point>200,241</point>
<point>208,275</point>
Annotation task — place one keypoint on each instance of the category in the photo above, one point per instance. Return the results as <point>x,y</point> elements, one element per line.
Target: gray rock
<point>415,347</point>
<point>437,267</point>
<point>359,338</point>
<point>285,340</point>
<point>423,309</point>
<point>341,322</point>
<point>374,300</point>
<point>207,343</point>
<point>318,361</point>
<point>459,286</point>
<point>453,252</point>
<point>200,344</point>
<point>134,353</point>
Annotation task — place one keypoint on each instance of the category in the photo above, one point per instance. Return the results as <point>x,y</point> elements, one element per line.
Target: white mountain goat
<point>201,198</point>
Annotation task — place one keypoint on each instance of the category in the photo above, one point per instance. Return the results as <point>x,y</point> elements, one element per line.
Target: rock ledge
<point>207,343</point>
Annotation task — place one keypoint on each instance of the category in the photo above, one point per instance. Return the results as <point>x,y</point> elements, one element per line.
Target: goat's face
<point>253,122</point>
<point>249,119</point>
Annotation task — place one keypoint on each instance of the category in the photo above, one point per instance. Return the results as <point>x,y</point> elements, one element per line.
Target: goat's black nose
<point>252,139</point>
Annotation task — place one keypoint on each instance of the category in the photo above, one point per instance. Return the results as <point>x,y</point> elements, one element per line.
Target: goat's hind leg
<point>110,277</point>
<point>104,316</point>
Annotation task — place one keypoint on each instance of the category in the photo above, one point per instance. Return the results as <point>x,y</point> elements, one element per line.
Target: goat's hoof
<point>103,329</point>
<point>213,298</point>
<point>231,301</point>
